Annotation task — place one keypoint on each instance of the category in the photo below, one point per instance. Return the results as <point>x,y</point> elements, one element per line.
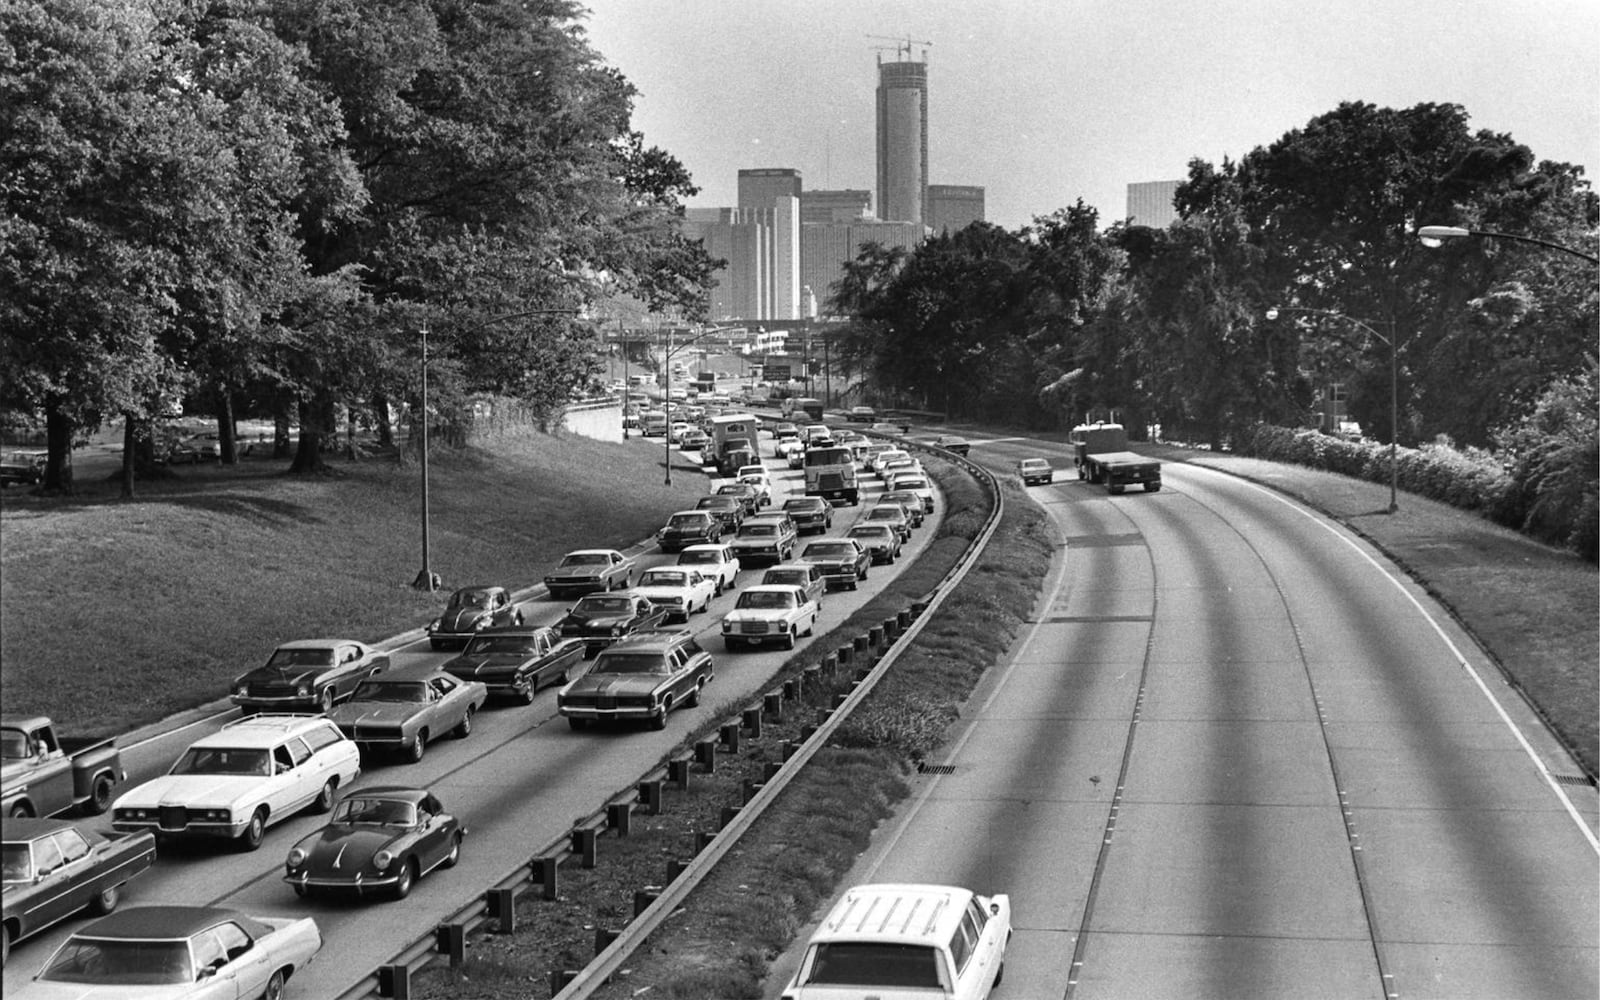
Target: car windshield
<point>830,550</point>
<point>911,484</point>
<point>885,514</point>
<point>766,599</point>
<point>792,577</point>
<point>16,862</point>
<point>862,963</point>
<point>585,559</point>
<point>812,504</point>
<point>869,531</point>
<point>696,558</point>
<point>758,531</point>
<point>365,811</point>
<point>630,663</point>
<point>223,760</point>
<point>13,744</point>
<point>113,962</point>
<point>664,578</point>
<point>401,691</point>
<point>687,520</point>
<point>470,599</point>
<point>603,606</point>
<point>301,658</point>
<point>502,644</point>
<point>718,502</point>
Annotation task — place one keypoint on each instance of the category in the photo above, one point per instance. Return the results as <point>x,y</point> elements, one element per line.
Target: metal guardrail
<point>498,903</point>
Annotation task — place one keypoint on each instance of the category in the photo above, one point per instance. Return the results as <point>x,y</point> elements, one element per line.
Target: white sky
<point>1043,102</point>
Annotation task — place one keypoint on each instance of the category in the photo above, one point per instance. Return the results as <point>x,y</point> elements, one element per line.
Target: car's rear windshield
<point>850,963</point>
<point>400,691</point>
<point>585,559</point>
<point>503,644</point>
<point>830,550</point>
<point>692,558</point>
<point>603,606</point>
<point>758,531</point>
<point>664,578</point>
<point>301,658</point>
<point>687,520</point>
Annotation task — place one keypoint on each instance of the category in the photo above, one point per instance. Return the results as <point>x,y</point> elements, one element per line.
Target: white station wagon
<point>906,942</point>
<point>243,778</point>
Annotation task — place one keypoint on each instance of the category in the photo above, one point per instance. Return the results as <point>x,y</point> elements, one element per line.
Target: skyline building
<point>759,186</point>
<point>953,207</point>
<point>761,249</point>
<point>825,248</point>
<point>902,118</point>
<point>835,206</point>
<point>1150,204</point>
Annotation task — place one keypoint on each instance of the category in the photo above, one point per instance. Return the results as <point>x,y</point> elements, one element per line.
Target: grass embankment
<point>118,613</point>
<point>749,909</point>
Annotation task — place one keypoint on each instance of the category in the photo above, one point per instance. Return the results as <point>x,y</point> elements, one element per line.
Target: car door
<point>294,779</point>
<point>448,706</point>
<point>239,967</point>
<point>433,833</point>
<point>52,898</point>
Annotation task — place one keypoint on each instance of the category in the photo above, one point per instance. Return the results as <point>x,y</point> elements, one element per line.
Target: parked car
<point>250,774</point>
<point>1035,470</point>
<point>717,561</point>
<point>677,590</point>
<point>944,941</point>
<point>44,774</point>
<point>379,842</point>
<point>809,513</point>
<point>642,678</point>
<point>52,869</point>
<point>728,509</point>
<point>401,715</point>
<point>807,576</point>
<point>910,501</point>
<point>765,539</point>
<point>601,619</point>
<point>953,443</point>
<point>177,953</point>
<point>586,570</point>
<point>844,561</point>
<point>24,467</point>
<point>308,675</point>
<point>689,527</point>
<point>194,450</point>
<point>893,515</point>
<point>470,611</point>
<point>882,541</point>
<point>517,660</point>
<point>770,613</point>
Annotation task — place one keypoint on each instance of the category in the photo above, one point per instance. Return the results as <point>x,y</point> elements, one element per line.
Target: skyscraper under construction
<point>903,140</point>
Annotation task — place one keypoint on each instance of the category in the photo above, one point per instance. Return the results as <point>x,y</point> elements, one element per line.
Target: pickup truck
<point>42,774</point>
<point>1101,455</point>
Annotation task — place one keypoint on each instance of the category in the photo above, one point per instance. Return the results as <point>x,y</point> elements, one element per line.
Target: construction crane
<point>902,46</point>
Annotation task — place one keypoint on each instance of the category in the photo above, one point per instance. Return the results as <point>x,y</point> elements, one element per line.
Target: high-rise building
<point>758,187</point>
<point>953,207</point>
<point>761,247</point>
<point>835,206</point>
<point>1150,204</point>
<point>902,141</point>
<point>825,248</point>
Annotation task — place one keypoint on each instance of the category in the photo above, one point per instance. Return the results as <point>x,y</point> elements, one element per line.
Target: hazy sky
<point>1043,102</point>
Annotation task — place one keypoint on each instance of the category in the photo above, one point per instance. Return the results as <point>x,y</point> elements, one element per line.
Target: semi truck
<point>1101,455</point>
<point>830,472</point>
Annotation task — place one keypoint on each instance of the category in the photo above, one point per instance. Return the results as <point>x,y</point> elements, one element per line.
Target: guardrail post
<point>619,817</point>
<point>560,979</point>
<point>584,844</point>
<point>875,636</point>
<point>891,629</point>
<point>451,940</point>
<point>904,618</point>
<point>863,643</point>
<point>503,909</point>
<point>642,898</point>
<point>772,705</point>
<point>770,770</point>
<point>863,673</point>
<point>846,654</point>
<point>839,700</point>
<point>792,689</point>
<point>650,796</point>
<point>808,730</point>
<point>703,839</point>
<point>812,675</point>
<point>752,722</point>
<point>546,873</point>
<point>829,664</point>
<point>730,736</point>
<point>748,790</point>
<point>675,868</point>
<point>918,607</point>
<point>603,937</point>
<point>728,813</point>
<point>790,748</point>
<point>678,771</point>
<point>394,981</point>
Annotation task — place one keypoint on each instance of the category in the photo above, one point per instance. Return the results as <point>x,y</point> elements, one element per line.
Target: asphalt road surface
<point>519,781</point>
<point>1237,754</point>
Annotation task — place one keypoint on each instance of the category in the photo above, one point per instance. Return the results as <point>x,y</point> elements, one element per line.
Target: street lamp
<point>1432,236</point>
<point>1394,388</point>
<point>426,579</point>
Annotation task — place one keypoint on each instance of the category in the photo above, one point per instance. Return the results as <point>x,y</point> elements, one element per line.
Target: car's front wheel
<point>464,727</point>
<point>408,877</point>
<point>326,701</point>
<point>418,747</point>
<point>250,839</point>
<point>455,852</point>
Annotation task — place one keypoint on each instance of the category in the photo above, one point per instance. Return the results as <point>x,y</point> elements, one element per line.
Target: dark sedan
<point>843,560</point>
<point>53,869</point>
<point>470,611</point>
<point>518,660</point>
<point>601,619</point>
<point>308,675</point>
<point>380,842</point>
<point>728,509</point>
<point>809,513</point>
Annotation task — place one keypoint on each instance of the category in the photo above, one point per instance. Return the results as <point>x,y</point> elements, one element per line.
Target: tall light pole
<point>1433,236</point>
<point>1394,388</point>
<point>426,579</point>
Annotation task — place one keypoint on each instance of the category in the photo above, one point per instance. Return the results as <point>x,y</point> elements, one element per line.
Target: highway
<point>1238,754</point>
<point>519,781</point>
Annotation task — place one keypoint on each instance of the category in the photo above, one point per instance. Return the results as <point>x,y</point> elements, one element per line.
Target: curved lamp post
<point>427,579</point>
<point>1432,236</point>
<point>1394,388</point>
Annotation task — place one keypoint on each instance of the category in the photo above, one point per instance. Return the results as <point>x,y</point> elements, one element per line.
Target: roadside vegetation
<point>119,613</point>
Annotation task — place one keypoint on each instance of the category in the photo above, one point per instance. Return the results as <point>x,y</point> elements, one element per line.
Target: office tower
<point>953,207</point>
<point>835,206</point>
<point>758,187</point>
<point>825,248</point>
<point>761,247</point>
<point>902,141</point>
<point>1150,204</point>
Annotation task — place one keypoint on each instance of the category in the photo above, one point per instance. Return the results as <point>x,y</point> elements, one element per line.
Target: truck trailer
<point>1101,455</point>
